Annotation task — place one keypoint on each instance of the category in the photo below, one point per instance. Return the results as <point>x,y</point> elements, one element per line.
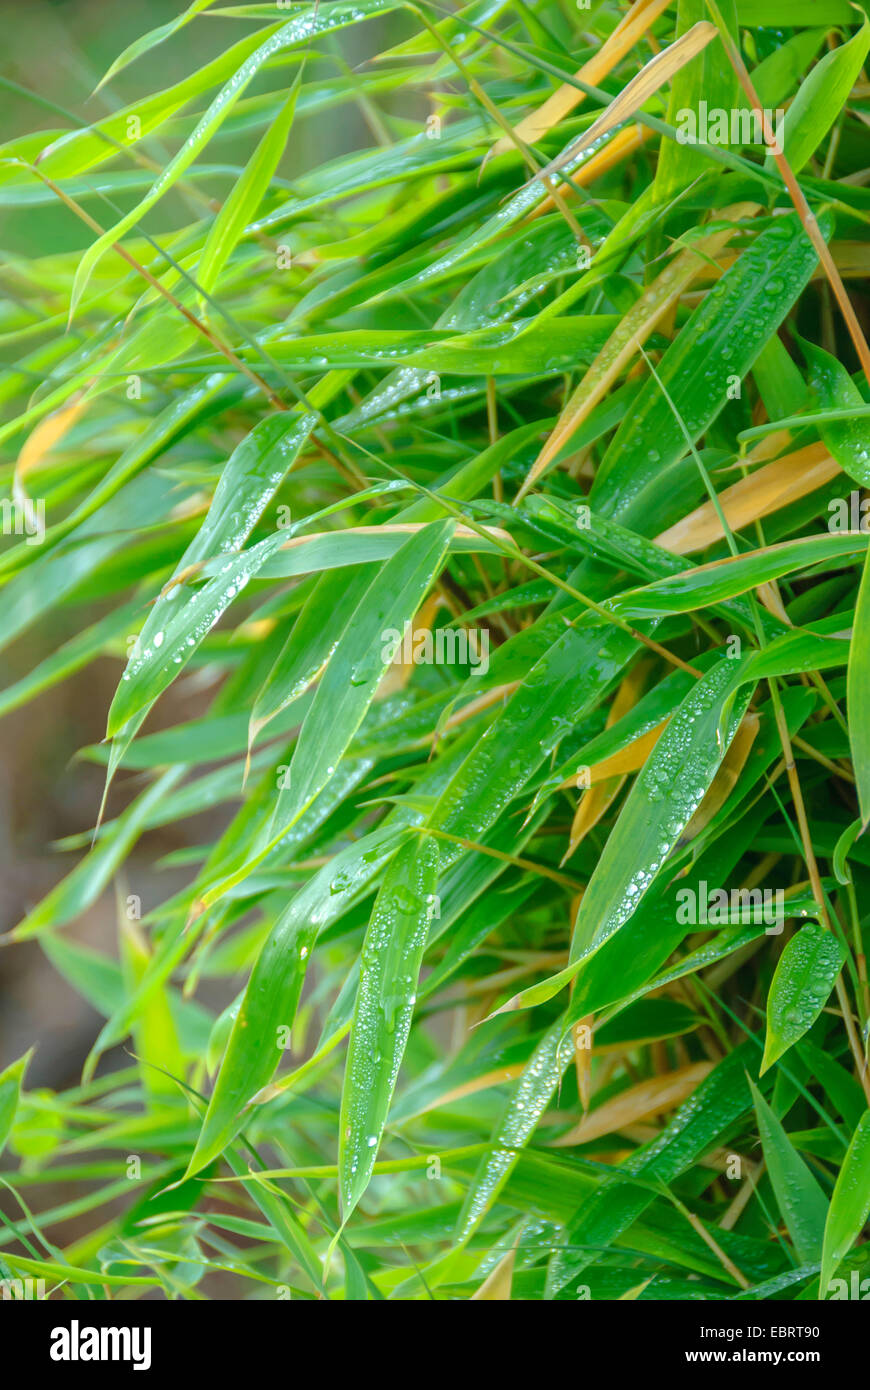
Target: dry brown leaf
<point>628,759</point>
<point>651,1097</point>
<point>45,437</point>
<point>566,98</point>
<point>768,489</point>
<point>652,76</point>
<point>624,143</point>
<point>496,1287</point>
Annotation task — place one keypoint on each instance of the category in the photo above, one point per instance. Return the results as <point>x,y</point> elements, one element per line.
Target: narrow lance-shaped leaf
<point>357,665</point>
<point>709,1113</point>
<point>833,389</point>
<point>10,1091</point>
<point>158,660</point>
<point>275,984</point>
<point>822,96</point>
<point>296,30</point>
<point>707,78</point>
<point>246,197</point>
<point>724,579</point>
<point>850,1204</point>
<point>802,982</point>
<point>665,796</point>
<point>389,968</point>
<point>858,695</point>
<point>146,42</point>
<point>532,1095</point>
<point>801,1201</point>
<point>550,700</point>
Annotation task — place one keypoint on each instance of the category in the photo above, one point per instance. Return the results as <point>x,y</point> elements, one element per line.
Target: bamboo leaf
<point>389,968</point>
<point>803,980</point>
<point>801,1201</point>
<point>850,1204</point>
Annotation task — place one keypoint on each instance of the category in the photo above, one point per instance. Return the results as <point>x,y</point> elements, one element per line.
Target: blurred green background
<point>57,50</point>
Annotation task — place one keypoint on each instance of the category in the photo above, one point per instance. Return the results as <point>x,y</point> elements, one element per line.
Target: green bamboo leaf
<point>758,13</point>
<point>705,78</point>
<point>834,389</point>
<point>858,696</point>
<point>779,73</point>
<point>515,1127</point>
<point>356,668</point>
<point>724,579</point>
<point>71,152</point>
<point>801,984</point>
<point>389,969</point>
<point>11,1079</point>
<point>841,851</point>
<point>211,122</point>
<point>801,1201</point>
<point>296,31</point>
<point>165,646</point>
<point>665,796</point>
<point>850,1204</point>
<point>57,1273</point>
<point>265,1016</point>
<point>146,42</point>
<point>549,702</point>
<point>822,96</point>
<point>155,1036</point>
<point>242,203</point>
<point>710,1112</point>
<point>308,647</point>
<point>519,348</point>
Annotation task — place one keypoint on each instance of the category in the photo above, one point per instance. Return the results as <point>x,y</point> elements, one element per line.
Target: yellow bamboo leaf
<point>496,1287</point>
<point>771,598</point>
<point>771,487</point>
<point>651,1097</point>
<point>566,98</point>
<point>624,143</point>
<point>652,76</point>
<point>46,436</point>
<point>593,805</point>
<point>581,1034</point>
<point>499,1077</point>
<point>628,759</point>
<point>399,673</point>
